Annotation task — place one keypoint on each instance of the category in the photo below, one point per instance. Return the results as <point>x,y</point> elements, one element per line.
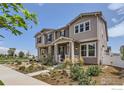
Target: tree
<point>21,54</point>
<point>14,16</point>
<point>122,52</point>
<point>11,51</point>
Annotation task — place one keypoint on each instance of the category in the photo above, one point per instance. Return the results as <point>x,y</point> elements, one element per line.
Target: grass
<point>8,60</point>
<point>1,83</point>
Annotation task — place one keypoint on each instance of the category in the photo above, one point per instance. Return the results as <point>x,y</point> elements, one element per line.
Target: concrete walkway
<point>12,77</point>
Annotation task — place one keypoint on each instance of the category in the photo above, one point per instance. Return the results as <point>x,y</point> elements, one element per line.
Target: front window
<point>76,29</point>
<point>83,50</point>
<point>49,37</point>
<point>62,33</point>
<point>87,27</point>
<point>88,49</point>
<point>91,48</point>
<point>39,40</point>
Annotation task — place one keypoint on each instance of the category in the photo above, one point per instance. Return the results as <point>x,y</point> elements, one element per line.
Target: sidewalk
<point>12,77</point>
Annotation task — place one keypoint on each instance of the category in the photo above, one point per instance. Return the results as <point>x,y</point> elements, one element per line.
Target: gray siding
<point>84,35</point>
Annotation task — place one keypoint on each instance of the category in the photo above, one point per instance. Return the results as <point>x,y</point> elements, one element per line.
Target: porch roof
<point>64,39</point>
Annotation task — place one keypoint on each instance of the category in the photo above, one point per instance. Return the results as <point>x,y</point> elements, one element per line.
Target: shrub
<point>67,62</point>
<point>1,83</point>
<point>81,61</point>
<point>93,70</point>
<point>48,60</point>
<point>85,79</point>
<point>60,66</point>
<point>19,63</point>
<point>75,72</point>
<point>31,67</point>
<point>22,68</point>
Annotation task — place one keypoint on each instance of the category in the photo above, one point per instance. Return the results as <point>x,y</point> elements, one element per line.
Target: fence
<point>114,60</point>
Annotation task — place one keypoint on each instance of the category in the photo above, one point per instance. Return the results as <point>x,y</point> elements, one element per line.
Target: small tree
<point>122,52</point>
<point>11,52</point>
<point>21,54</point>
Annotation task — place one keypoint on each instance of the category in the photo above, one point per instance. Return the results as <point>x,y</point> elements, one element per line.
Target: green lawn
<point>1,83</point>
<point>9,60</point>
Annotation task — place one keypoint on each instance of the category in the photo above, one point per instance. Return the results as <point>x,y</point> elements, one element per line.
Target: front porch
<point>62,48</point>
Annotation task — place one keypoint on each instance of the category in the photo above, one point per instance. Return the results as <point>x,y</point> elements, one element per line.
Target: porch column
<point>49,50</point>
<point>43,39</point>
<point>39,53</point>
<point>56,52</point>
<point>72,51</point>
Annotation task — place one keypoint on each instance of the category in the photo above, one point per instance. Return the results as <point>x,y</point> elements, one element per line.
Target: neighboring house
<point>85,36</point>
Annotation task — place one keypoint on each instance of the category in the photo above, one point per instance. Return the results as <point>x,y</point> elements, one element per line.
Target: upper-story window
<point>87,26</point>
<point>82,27</point>
<point>39,39</point>
<point>62,33</point>
<point>49,37</point>
<point>76,28</point>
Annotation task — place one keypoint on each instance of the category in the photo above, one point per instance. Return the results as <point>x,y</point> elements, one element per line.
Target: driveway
<point>12,77</point>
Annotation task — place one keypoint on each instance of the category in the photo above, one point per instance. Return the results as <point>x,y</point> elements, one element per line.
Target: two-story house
<point>85,36</point>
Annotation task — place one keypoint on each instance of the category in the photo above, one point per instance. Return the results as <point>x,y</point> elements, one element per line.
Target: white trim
<point>84,27</point>
<point>88,50</point>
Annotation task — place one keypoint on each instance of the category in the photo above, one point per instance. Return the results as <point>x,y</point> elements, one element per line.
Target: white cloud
<point>40,4</point>
<point>117,30</point>
<point>114,20</point>
<point>3,50</point>
<point>118,7</point>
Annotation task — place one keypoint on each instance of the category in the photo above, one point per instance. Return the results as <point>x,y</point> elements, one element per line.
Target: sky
<point>58,15</point>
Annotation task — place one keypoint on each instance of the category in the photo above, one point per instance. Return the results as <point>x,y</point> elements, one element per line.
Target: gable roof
<point>98,13</point>
<point>86,14</point>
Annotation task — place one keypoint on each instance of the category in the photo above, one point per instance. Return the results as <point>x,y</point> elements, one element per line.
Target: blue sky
<point>58,15</point>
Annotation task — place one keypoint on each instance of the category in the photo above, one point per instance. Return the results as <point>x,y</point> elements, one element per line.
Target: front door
<point>62,52</point>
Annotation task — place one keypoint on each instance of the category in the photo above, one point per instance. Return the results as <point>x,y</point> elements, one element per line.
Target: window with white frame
<point>91,49</point>
<point>76,29</point>
<point>49,37</point>
<point>87,26</point>
<point>82,27</point>
<point>62,33</point>
<point>83,50</point>
<point>88,49</point>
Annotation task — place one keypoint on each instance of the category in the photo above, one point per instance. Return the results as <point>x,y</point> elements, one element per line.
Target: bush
<point>30,68</point>
<point>60,66</point>
<point>85,79</point>
<point>77,73</point>
<point>1,83</point>
<point>93,71</point>
<point>67,62</point>
<point>81,61</point>
<point>19,63</point>
<point>22,68</point>
<point>48,60</point>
